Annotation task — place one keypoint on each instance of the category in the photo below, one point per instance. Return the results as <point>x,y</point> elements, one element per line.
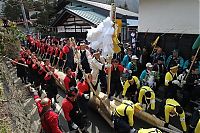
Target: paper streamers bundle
<point>101,37</point>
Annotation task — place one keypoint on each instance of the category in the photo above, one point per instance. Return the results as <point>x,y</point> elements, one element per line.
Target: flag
<point>155,42</point>
<point>196,43</point>
<point>116,47</point>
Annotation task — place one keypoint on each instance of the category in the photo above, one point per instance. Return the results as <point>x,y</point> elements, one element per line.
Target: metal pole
<point>24,16</point>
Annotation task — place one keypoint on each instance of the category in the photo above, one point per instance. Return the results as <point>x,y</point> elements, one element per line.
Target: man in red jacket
<point>72,111</point>
<point>84,94</point>
<point>49,119</point>
<point>69,80</point>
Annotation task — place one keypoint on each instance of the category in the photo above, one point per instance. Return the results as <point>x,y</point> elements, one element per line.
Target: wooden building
<point>78,16</point>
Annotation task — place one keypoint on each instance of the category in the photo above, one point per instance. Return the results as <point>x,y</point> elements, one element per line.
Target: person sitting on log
<point>146,98</point>
<point>49,119</point>
<point>72,111</point>
<point>172,108</point>
<point>123,116</point>
<point>130,88</point>
<point>69,80</point>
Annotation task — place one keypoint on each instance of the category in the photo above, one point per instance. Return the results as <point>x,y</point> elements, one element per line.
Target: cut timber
<point>96,104</point>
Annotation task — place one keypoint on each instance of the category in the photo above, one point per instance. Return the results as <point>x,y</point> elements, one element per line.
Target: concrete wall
<point>169,16</point>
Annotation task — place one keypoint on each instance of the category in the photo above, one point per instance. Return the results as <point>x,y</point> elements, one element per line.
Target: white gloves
<point>74,126</point>
<point>50,73</point>
<point>129,71</point>
<point>176,82</point>
<point>183,82</point>
<point>133,130</point>
<point>107,65</point>
<point>86,96</point>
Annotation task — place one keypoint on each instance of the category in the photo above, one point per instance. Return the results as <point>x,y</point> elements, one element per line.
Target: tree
<point>12,10</point>
<point>10,42</point>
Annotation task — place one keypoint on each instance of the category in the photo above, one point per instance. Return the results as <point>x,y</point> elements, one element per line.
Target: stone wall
<point>19,108</point>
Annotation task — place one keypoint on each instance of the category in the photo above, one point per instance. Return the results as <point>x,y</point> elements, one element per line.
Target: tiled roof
<point>108,7</point>
<point>86,13</point>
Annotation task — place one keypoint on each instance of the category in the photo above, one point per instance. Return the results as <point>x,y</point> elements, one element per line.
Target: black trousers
<point>83,104</point>
<point>115,88</point>
<point>121,125</point>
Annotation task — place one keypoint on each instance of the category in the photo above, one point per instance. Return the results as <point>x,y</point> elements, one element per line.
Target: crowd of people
<point>135,78</point>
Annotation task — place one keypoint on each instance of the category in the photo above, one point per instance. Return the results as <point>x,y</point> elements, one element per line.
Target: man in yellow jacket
<point>123,116</point>
<point>173,108</point>
<point>131,87</point>
<point>171,82</point>
<point>146,97</point>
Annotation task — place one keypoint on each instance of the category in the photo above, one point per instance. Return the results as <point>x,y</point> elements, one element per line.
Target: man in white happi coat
<point>84,56</point>
<point>98,72</point>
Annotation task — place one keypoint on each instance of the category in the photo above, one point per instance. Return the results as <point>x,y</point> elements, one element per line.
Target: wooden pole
<point>15,61</point>
<point>192,62</point>
<point>113,17</point>
<point>86,77</point>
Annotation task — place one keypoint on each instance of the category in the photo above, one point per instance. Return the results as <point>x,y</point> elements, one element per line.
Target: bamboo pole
<point>15,61</point>
<point>192,63</point>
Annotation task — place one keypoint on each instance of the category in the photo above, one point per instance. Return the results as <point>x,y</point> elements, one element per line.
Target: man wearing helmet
<point>49,119</point>
<point>72,111</point>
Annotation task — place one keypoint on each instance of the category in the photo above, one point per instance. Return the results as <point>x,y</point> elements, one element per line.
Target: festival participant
<point>69,52</point>
<point>172,108</point>
<point>133,66</point>
<point>116,85</point>
<point>72,111</point>
<point>61,57</point>
<point>195,121</point>
<point>123,117</point>
<point>171,82</point>
<point>84,56</point>
<point>69,80</point>
<point>21,70</point>
<point>191,87</point>
<point>189,62</point>
<point>148,76</point>
<point>98,65</point>
<point>175,58</point>
<point>131,87</point>
<point>84,94</point>
<point>160,68</point>
<point>159,54</point>
<point>56,55</point>
<point>49,119</point>
<point>146,98</point>
<point>127,57</point>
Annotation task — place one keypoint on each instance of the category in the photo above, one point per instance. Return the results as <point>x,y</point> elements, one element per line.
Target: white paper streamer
<point>101,37</point>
